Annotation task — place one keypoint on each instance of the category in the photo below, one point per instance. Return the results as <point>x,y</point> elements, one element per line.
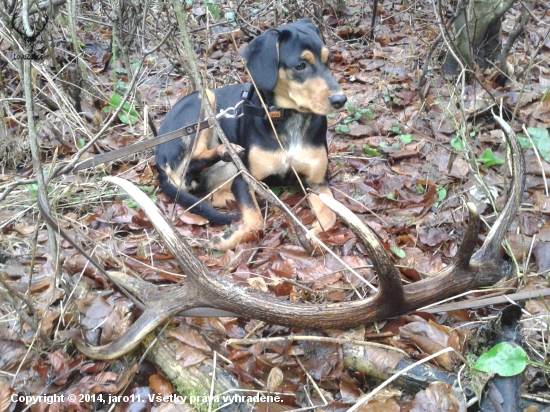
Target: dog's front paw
<point>245,233</point>
<point>224,154</point>
<point>328,219</point>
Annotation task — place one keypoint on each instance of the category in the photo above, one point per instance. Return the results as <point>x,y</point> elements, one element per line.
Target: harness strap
<point>136,147</point>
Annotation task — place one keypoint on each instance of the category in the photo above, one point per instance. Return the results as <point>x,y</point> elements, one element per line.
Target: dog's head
<point>293,62</point>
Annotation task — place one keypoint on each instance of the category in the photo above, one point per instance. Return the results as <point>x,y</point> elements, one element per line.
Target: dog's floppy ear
<point>308,23</point>
<point>262,59</point>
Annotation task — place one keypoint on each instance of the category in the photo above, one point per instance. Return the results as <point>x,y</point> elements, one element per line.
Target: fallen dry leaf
<point>190,337</point>
<point>438,397</point>
<point>160,385</point>
<point>118,322</point>
<point>5,396</point>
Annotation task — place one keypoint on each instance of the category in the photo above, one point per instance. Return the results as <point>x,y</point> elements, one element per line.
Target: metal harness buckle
<point>230,112</point>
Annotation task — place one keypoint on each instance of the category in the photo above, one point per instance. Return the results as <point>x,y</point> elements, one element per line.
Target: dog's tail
<point>186,200</point>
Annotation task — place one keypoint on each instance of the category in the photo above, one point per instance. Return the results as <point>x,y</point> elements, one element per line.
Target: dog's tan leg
<point>220,197</point>
<point>312,164</point>
<point>325,217</point>
<point>252,220</point>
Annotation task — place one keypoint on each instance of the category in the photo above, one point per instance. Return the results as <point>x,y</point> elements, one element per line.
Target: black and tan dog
<point>290,67</point>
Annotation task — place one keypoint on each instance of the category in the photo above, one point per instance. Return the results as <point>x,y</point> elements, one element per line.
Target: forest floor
<point>406,169</point>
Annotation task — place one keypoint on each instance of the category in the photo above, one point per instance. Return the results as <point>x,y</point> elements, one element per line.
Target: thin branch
<point>25,17</point>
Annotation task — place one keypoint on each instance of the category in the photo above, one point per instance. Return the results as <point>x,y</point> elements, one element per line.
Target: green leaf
<point>395,129</point>
<point>457,143</point>
<point>390,196</point>
<point>121,87</point>
<point>128,115</point>
<point>32,189</point>
<point>540,138</point>
<point>214,10</point>
<point>383,144</point>
<point>146,189</point>
<point>351,147</point>
<point>406,138</point>
<point>81,142</point>
<point>504,359</point>
<point>115,100</point>
<point>524,142</point>
<point>340,164</point>
<point>368,114</point>
<point>441,195</point>
<point>537,133</point>
<point>400,253</point>
<point>369,151</point>
<point>341,128</point>
<point>490,159</point>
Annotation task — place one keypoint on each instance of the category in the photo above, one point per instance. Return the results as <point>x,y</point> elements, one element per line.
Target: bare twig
<point>35,150</point>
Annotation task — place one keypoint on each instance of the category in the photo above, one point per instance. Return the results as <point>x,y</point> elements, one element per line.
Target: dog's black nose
<point>338,100</point>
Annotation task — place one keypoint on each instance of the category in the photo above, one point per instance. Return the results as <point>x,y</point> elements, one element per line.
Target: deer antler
<point>205,289</point>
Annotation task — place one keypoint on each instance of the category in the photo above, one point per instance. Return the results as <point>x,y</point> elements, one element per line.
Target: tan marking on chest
<point>307,161</point>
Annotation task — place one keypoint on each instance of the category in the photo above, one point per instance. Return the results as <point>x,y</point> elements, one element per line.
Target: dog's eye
<point>300,67</point>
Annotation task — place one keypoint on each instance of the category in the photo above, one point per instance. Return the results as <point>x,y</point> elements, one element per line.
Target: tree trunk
<point>477,35</point>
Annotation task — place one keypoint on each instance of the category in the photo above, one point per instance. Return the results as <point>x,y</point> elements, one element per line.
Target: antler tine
<point>155,313</point>
<point>468,246</point>
<point>388,275</point>
<point>490,251</point>
<point>169,235</point>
